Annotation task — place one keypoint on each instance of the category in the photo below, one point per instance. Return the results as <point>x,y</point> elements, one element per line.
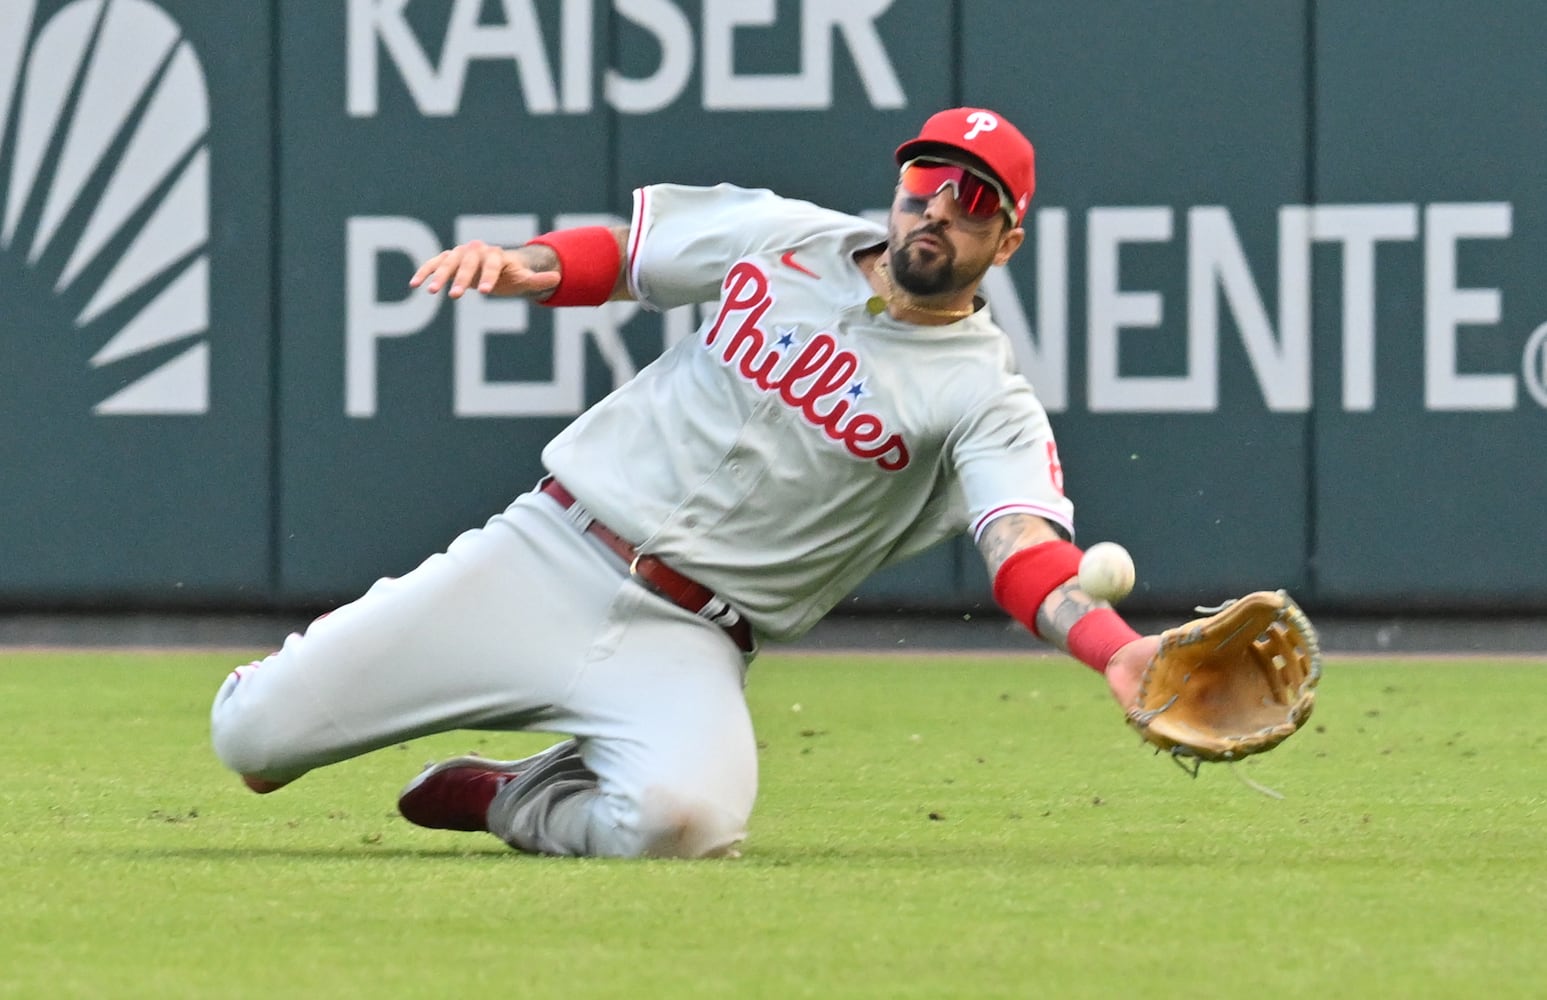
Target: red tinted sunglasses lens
<point>976,196</point>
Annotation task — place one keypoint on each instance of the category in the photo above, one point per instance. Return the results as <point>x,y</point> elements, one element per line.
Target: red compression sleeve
<point>1026,578</point>
<point>588,265</point>
<point>1098,635</point>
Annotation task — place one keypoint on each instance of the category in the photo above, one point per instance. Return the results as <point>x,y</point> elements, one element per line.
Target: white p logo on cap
<point>981,121</point>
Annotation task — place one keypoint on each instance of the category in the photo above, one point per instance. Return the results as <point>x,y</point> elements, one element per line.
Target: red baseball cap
<point>987,136</point>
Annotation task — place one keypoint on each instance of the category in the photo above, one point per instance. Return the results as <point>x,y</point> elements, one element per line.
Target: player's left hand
<point>1125,670</point>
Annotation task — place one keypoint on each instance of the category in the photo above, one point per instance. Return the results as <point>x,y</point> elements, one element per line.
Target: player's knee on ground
<point>678,824</point>
<point>245,737</point>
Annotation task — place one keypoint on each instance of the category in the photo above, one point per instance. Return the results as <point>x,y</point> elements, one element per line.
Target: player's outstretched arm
<point>537,270</point>
<point>1035,573</point>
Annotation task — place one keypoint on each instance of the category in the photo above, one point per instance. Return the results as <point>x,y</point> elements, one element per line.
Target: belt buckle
<point>633,573</point>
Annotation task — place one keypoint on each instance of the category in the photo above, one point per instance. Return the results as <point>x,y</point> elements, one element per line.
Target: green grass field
<point>927,827</point>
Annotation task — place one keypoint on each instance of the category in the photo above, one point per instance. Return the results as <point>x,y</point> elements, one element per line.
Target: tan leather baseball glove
<point>1236,683</point>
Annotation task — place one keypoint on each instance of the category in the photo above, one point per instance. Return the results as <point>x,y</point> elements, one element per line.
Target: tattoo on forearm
<point>1062,609</point>
<point>1005,535</point>
<point>996,545</point>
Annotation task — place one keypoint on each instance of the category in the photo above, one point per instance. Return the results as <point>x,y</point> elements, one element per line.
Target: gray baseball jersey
<point>798,442</point>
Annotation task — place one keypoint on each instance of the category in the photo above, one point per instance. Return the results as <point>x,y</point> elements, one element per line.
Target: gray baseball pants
<point>523,624</point>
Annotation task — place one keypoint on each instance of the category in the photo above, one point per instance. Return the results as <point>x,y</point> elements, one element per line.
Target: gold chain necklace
<point>878,303</point>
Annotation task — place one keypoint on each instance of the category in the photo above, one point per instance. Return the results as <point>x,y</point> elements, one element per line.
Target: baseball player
<point>847,403</point>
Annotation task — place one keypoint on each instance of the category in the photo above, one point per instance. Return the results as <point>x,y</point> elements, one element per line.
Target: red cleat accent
<point>454,794</point>
<point>262,786</point>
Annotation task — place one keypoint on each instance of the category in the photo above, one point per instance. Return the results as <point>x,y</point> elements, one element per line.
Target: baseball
<point>1106,572</point>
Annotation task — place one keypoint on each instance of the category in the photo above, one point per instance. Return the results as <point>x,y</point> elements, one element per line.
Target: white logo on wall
<point>109,114</point>
<point>380,34</point>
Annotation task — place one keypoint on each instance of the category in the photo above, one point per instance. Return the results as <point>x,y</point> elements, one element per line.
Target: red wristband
<point>588,265</point>
<point>1096,637</point>
<point>1026,578</point>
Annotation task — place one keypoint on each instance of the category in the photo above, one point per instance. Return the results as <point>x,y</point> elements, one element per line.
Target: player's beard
<point>926,273</point>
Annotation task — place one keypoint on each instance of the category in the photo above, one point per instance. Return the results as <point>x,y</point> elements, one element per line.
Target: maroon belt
<point>662,579</point>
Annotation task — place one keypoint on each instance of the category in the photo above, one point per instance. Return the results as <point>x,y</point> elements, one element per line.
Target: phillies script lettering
<point>818,383</point>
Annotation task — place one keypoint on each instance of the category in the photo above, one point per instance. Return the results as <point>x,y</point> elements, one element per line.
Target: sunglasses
<point>980,197</point>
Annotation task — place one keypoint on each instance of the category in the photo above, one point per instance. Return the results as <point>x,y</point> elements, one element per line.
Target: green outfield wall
<point>1284,290</point>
